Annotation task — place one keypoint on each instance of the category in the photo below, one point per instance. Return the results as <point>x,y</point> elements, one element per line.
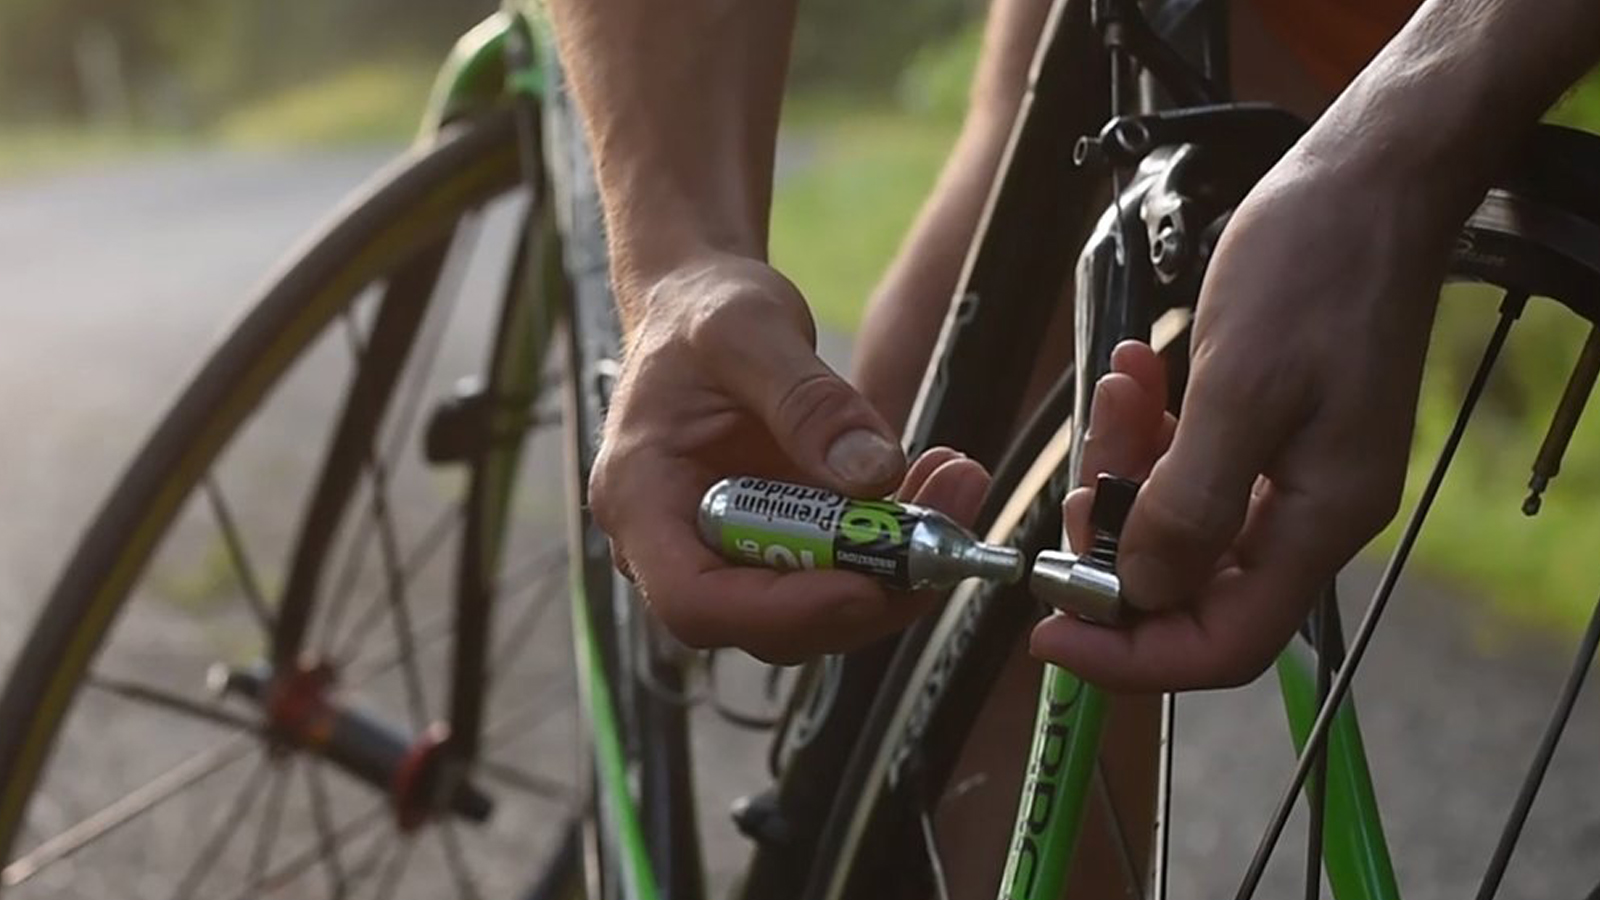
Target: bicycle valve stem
<point>1548,463</point>
<point>1087,586</point>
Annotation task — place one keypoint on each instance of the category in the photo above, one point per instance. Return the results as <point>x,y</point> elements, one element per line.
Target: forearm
<point>1456,90</point>
<point>680,103</point>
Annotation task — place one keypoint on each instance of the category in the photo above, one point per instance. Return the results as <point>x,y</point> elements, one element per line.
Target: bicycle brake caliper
<point>1087,586</point>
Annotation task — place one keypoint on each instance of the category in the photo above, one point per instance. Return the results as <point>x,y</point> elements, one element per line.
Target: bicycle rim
<point>318,308</point>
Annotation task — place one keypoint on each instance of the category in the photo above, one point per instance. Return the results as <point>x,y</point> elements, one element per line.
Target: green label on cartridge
<point>787,526</point>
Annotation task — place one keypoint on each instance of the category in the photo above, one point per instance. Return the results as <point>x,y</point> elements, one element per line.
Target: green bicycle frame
<point>1060,773</point>
<point>479,74</point>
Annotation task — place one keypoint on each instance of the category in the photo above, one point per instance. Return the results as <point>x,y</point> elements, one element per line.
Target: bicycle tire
<point>405,209</point>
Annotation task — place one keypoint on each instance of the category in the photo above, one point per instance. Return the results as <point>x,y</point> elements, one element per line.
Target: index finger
<point>1242,617</point>
<point>706,602</point>
<point>1235,419</point>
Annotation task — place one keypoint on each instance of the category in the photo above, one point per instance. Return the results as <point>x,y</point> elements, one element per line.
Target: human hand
<point>1290,452</point>
<point>721,377</point>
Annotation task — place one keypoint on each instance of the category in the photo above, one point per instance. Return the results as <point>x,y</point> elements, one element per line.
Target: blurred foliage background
<point>329,71</point>
<point>877,95</point>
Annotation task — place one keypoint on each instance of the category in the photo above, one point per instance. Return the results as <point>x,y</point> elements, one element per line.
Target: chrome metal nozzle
<point>1068,583</point>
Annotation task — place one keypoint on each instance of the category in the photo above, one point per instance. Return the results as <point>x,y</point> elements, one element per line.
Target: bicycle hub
<point>303,712</point>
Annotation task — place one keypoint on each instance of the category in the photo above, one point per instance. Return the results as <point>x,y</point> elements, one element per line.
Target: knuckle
<point>811,402</point>
<point>601,495</point>
<point>1263,385</point>
<point>779,655</point>
<point>734,311</point>
<point>619,560</point>
<point>694,631</point>
<point>1195,515</point>
<point>612,487</point>
<point>1383,494</point>
<point>1364,504</point>
<point>1241,666</point>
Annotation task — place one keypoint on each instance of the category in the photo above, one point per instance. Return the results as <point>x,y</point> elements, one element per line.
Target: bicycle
<point>866,743</point>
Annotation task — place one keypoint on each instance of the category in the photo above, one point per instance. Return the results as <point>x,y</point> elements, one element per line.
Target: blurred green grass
<point>372,103</point>
<point>1540,572</point>
<point>35,149</point>
<point>859,171</point>
<point>840,215</point>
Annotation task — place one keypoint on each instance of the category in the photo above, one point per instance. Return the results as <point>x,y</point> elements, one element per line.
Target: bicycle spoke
<point>537,785</point>
<point>388,549</point>
<point>222,833</point>
<point>432,541</point>
<point>1510,308</point>
<point>267,832</point>
<point>161,698</point>
<point>1130,869</point>
<point>1541,759</point>
<point>393,869</point>
<point>456,861</point>
<point>1327,614</point>
<point>340,599</point>
<point>448,286</point>
<point>371,863</point>
<point>322,821</point>
<point>301,860</point>
<point>941,886</point>
<point>531,711</point>
<point>254,596</point>
<point>129,807</point>
<point>426,633</point>
<point>399,608</point>
<point>534,571</point>
<point>516,639</point>
<point>412,390</point>
<point>1163,835</point>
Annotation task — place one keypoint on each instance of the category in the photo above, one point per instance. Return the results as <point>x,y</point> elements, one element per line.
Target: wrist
<point>709,288</point>
<point>655,249</point>
<point>1439,110</point>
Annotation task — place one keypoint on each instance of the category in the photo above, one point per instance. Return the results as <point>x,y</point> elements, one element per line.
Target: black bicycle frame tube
<point>1027,241</point>
<point>400,313</point>
<point>511,383</point>
<point>1113,300</point>
<point>511,386</point>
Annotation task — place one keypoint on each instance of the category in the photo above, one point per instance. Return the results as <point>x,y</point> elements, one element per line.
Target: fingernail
<point>1147,582</point>
<point>863,458</point>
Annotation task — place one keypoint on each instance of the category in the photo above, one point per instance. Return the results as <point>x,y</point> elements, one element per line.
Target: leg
<point>902,319</point>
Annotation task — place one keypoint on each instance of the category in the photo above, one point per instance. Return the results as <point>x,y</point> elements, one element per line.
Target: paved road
<point>112,283</point>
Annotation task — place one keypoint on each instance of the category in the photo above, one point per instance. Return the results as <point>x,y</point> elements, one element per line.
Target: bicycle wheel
<point>317,476</point>
<point>1537,234</point>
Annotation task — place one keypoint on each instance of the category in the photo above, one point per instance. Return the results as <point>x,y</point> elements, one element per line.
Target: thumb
<point>1191,508</point>
<point>826,428</point>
